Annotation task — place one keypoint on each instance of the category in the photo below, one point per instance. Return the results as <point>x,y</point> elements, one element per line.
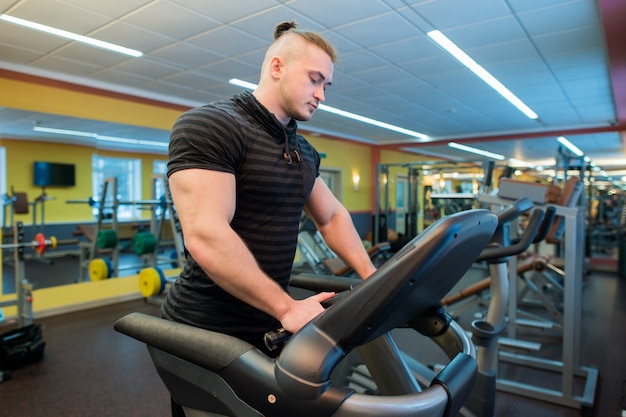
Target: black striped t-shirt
<point>242,137</point>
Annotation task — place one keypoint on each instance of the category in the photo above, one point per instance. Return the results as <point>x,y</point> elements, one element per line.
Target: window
<point>159,170</point>
<point>332,178</point>
<point>128,175</point>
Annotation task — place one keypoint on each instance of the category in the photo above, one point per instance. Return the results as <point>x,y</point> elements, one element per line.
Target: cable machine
<point>415,196</point>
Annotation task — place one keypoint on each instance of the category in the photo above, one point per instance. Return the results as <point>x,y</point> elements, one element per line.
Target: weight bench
<point>212,374</point>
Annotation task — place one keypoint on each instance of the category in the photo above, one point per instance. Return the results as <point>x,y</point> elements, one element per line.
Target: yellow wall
<point>47,96</point>
<point>20,157</point>
<point>352,159</point>
<point>36,94</point>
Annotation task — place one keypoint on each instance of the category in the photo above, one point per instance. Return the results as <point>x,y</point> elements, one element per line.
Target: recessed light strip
<point>64,132</point>
<point>347,114</point>
<point>519,163</point>
<point>482,73</point>
<point>73,36</point>
<point>569,145</point>
<point>100,137</point>
<point>476,151</point>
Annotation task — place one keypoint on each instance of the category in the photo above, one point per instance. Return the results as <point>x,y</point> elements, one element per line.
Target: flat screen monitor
<point>52,174</point>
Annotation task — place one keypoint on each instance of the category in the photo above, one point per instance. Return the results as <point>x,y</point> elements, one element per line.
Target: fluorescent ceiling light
<point>242,83</point>
<point>569,145</point>
<point>69,35</point>
<point>517,163</point>
<point>482,73</point>
<point>132,141</point>
<point>64,132</point>
<point>100,137</point>
<point>475,150</point>
<point>347,114</point>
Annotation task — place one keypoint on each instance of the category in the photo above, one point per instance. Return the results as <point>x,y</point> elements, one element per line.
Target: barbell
<point>40,243</point>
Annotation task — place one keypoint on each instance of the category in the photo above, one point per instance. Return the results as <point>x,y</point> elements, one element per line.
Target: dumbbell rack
<point>153,281</point>
<point>100,240</point>
<point>157,222</point>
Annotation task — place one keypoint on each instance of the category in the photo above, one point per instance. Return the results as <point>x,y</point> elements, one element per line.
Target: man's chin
<point>303,117</point>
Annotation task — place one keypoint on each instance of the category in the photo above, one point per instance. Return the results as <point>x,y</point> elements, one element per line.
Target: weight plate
<point>106,239</point>
<point>151,282</point>
<point>40,240</point>
<point>144,243</point>
<point>99,269</point>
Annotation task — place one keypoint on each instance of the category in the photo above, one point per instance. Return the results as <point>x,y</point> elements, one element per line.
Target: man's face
<point>303,86</point>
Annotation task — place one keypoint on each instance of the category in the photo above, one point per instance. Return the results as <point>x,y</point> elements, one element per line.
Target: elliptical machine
<point>486,331</point>
<point>212,374</point>
<point>379,377</point>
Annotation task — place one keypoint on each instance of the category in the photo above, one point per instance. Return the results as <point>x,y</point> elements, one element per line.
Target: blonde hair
<point>313,38</point>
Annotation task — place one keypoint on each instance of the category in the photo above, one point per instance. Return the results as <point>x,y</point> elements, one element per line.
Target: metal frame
<point>569,367</point>
<point>23,289</point>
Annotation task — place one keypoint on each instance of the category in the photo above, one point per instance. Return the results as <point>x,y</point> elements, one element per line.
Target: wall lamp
<point>356,178</point>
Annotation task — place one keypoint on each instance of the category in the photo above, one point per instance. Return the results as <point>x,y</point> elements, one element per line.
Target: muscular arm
<point>205,203</point>
<point>335,224</point>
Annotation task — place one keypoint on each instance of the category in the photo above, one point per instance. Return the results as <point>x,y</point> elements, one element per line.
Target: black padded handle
<point>545,224</point>
<point>497,252</point>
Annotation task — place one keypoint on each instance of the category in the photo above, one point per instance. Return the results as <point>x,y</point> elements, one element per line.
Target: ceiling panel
<point>550,53</point>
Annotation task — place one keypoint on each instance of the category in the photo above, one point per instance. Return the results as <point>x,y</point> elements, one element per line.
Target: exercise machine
<point>577,383</point>
<point>23,288</point>
<point>212,374</point>
<point>322,260</point>
<point>408,215</point>
<point>485,331</point>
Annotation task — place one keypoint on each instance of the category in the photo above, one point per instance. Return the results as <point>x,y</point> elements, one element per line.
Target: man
<point>240,177</point>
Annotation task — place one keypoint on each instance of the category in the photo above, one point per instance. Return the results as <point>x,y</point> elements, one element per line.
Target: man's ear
<point>276,66</point>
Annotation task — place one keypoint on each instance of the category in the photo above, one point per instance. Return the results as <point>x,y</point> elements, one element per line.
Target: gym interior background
<point>77,298</point>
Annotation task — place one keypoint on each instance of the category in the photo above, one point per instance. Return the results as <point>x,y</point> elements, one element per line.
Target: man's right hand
<point>303,311</point>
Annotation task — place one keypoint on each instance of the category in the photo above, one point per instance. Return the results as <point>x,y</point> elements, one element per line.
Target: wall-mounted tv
<point>52,174</point>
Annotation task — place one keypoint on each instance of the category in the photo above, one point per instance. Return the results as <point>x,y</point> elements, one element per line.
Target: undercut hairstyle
<point>311,37</point>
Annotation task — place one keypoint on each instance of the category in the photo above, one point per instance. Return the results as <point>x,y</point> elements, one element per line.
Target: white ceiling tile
<point>562,17</point>
<point>17,55</point>
<point>114,9</point>
<point>148,68</point>
<point>492,32</point>
<point>263,24</point>
<point>338,13</point>
<point>68,66</point>
<point>29,39</point>
<point>388,68</point>
<point>228,42</point>
<point>407,49</point>
<point>181,23</point>
<point>123,78</point>
<point>375,30</point>
<point>572,40</point>
<point>60,15</point>
<point>227,11</point>
<point>448,14</point>
<point>133,37</point>
<point>185,55</point>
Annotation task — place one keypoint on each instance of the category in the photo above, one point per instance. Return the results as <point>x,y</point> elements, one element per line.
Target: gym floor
<point>91,370</point>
